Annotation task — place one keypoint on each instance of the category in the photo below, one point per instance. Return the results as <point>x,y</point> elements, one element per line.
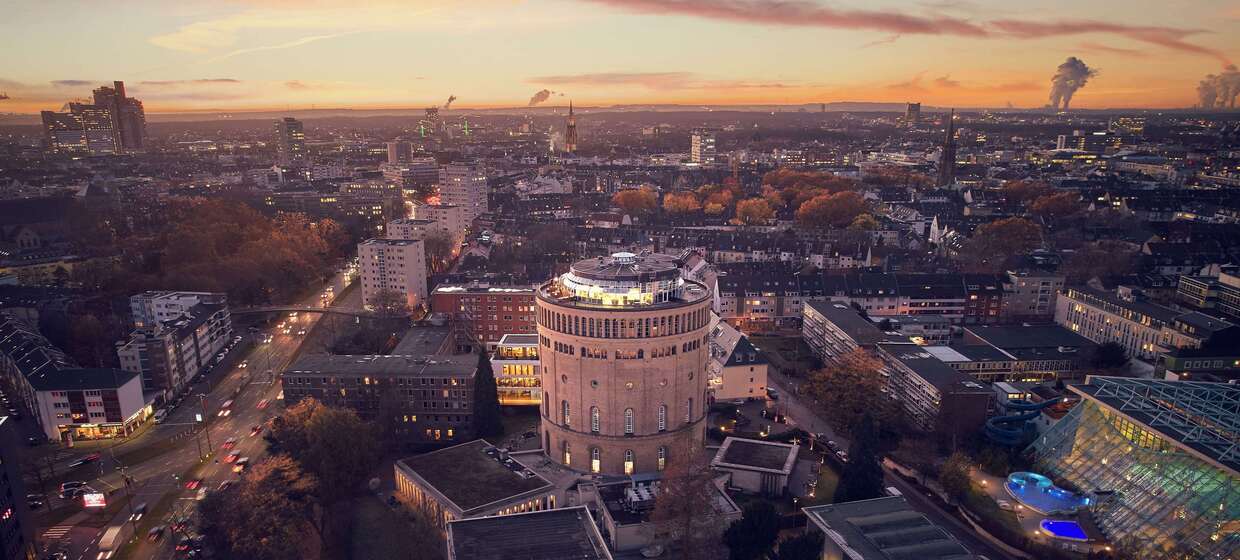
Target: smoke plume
<point>1219,91</point>
<point>541,96</point>
<point>1069,77</point>
<point>448,105</point>
<point>4,96</point>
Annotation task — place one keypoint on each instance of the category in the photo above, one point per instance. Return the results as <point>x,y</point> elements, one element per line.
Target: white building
<point>398,265</point>
<point>168,353</point>
<point>410,228</point>
<point>449,218</point>
<point>737,369</point>
<point>515,367</point>
<point>702,147</point>
<point>148,308</point>
<point>464,186</point>
<point>89,403</point>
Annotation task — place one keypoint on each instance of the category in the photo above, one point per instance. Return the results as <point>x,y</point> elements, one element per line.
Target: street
<point>164,482</point>
<point>806,419</point>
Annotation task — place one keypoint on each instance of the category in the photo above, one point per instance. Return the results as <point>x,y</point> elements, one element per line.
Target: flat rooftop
<point>519,340</point>
<point>885,529</point>
<point>383,366</point>
<point>1028,336</point>
<point>924,364</point>
<point>424,341</point>
<point>470,477</point>
<point>754,454</point>
<point>555,534</point>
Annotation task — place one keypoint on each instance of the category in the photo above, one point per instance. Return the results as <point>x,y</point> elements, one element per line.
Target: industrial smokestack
<point>1069,77</point>
<point>448,105</point>
<point>541,96</point>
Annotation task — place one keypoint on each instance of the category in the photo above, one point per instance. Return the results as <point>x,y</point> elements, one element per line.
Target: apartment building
<point>176,337</point>
<point>1145,329</point>
<point>465,186</point>
<point>935,397</point>
<point>393,265</point>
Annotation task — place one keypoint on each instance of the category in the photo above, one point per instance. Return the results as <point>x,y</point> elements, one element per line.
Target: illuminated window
<point>595,460</point>
<point>662,417</point>
<point>628,461</point>
<point>628,421</point>
<point>594,419</point>
<point>661,458</point>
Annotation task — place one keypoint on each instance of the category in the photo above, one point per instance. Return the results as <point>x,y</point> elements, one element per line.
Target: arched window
<point>568,456</point>
<point>662,417</point>
<point>566,418</point>
<point>661,463</point>
<point>596,460</point>
<point>594,419</point>
<point>628,421</point>
<point>628,461</point>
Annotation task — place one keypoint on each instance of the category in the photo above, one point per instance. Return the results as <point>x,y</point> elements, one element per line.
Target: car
<point>301,332</point>
<point>160,415</point>
<point>256,430</point>
<point>193,483</point>
<point>70,487</point>
<point>263,404</point>
<point>34,504</point>
<point>224,412</point>
<point>84,460</point>
<point>244,364</point>
<point>843,456</point>
<point>772,394</point>
<point>179,525</point>
<point>228,443</point>
<point>224,485</point>
<point>832,445</point>
<point>201,495</point>
<point>184,544</point>
<point>156,533</point>
<point>242,463</point>
<point>138,512</point>
<point>1004,505</point>
<point>231,457</point>
<point>57,556</point>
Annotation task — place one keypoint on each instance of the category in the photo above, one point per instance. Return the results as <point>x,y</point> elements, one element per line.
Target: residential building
<point>420,398</point>
<point>881,529</point>
<point>17,527</point>
<point>1029,295</point>
<point>737,369</point>
<point>399,152</point>
<point>833,328</point>
<point>290,143</point>
<point>624,353</point>
<point>364,205</point>
<point>90,403</point>
<point>1160,457</point>
<point>566,533</point>
<point>488,311</point>
<point>1220,294</point>
<point>935,397</point>
<point>411,173</point>
<point>991,353</point>
<point>471,480</point>
<point>756,466</point>
<point>465,186</point>
<point>177,335</point>
<point>1192,364</point>
<point>409,228</point>
<point>921,329</point>
<point>702,149</point>
<point>448,218</point>
<point>392,265</point>
<point>153,307</point>
<point>515,366</point>
<point>1142,327</point>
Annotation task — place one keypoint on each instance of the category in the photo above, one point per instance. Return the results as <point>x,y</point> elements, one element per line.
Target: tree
<point>806,546</point>
<point>680,203</point>
<point>1107,259</point>
<point>864,222</point>
<point>486,401</point>
<point>1023,192</point>
<point>389,304</point>
<point>994,242</point>
<point>832,210</point>
<point>1110,355</point>
<point>683,515</point>
<point>641,201</point>
<point>438,246</point>
<point>754,211</point>
<point>266,516</point>
<point>850,387</point>
<point>753,535</point>
<point>1056,206</point>
<point>862,477</point>
<point>954,476</point>
<point>715,209</point>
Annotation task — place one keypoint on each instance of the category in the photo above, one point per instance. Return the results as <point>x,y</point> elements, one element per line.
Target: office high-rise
<point>912,114</point>
<point>702,147</point>
<point>84,128</point>
<point>290,142</point>
<point>623,357</point>
<point>128,116</point>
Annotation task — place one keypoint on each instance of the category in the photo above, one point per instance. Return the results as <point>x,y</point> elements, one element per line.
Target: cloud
<point>3,96</point>
<point>884,41</point>
<point>912,86</point>
<point>296,84</point>
<point>801,13</point>
<point>280,46</point>
<point>946,82</point>
<point>948,85</point>
<point>1167,37</point>
<point>662,81</point>
<point>171,83</point>
<point>72,83</point>
<point>1106,49</point>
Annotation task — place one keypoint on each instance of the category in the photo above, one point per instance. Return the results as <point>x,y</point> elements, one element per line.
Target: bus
<point>113,539</point>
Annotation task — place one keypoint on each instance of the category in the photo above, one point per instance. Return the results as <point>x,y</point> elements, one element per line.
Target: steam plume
<point>4,96</point>
<point>1220,91</point>
<point>541,96</point>
<point>448,105</point>
<point>1069,77</point>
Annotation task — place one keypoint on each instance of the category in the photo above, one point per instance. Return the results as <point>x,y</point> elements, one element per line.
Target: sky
<point>195,55</point>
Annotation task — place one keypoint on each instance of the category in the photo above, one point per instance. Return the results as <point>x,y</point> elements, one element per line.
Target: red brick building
<point>489,311</point>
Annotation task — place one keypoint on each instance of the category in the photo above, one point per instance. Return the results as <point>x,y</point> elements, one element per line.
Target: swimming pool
<point>1041,495</point>
<point>1066,530</point>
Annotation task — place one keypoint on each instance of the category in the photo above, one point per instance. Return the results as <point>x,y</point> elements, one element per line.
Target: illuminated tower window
<point>568,456</point>
<point>661,458</point>
<point>628,461</point>
<point>596,462</point>
<point>594,419</point>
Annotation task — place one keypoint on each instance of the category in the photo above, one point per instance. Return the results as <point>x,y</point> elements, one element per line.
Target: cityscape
<point>618,280</point>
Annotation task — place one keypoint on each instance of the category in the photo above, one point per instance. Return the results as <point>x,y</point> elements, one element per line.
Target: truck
<point>113,539</point>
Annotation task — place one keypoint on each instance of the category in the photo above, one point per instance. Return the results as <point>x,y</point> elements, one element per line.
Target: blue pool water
<point>1040,494</point>
<point>1067,530</point>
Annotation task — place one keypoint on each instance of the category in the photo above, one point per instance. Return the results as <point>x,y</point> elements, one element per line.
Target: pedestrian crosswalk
<point>57,532</point>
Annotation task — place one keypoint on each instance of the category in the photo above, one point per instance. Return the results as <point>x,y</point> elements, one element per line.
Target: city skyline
<point>268,55</point>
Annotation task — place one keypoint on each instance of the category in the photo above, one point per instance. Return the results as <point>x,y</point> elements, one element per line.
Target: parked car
<point>68,489</point>
<point>843,456</point>
<point>156,533</point>
<point>772,394</point>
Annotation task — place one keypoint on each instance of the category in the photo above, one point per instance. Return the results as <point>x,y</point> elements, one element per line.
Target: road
<point>253,391</point>
<point>797,410</point>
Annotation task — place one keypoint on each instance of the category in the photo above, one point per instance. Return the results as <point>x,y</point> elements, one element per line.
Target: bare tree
<point>684,516</point>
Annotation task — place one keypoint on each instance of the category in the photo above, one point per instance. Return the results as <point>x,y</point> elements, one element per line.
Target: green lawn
<point>380,534</point>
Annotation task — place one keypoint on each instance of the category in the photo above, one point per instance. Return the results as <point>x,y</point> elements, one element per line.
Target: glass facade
<point>1154,499</point>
